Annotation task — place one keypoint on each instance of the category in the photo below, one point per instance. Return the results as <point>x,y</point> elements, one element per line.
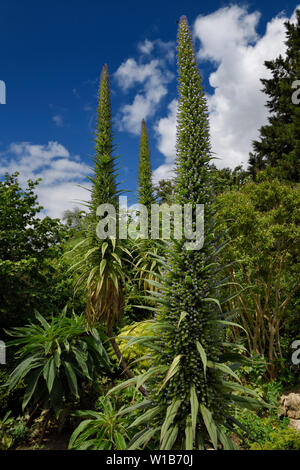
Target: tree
<point>145,174</point>
<point>74,220</point>
<point>164,191</point>
<point>263,225</point>
<point>30,247</point>
<point>279,144</point>
<point>226,179</point>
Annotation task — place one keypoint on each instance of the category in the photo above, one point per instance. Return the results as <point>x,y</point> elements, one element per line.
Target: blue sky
<point>51,55</point>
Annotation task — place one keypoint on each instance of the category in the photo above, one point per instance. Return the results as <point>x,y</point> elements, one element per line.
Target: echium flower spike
<point>145,190</point>
<point>190,277</point>
<point>104,189</point>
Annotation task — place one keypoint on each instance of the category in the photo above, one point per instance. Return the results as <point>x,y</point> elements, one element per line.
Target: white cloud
<point>130,72</point>
<point>229,40</point>
<point>146,47</point>
<point>60,173</point>
<point>237,107</point>
<point>165,130</point>
<point>152,79</point>
<point>58,119</point>
<point>163,172</point>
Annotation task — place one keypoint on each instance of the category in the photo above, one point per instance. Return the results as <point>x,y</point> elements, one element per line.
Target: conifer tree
<point>145,174</point>
<point>279,142</point>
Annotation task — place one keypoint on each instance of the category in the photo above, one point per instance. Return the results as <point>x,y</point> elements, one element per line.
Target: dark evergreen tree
<point>279,143</point>
<point>145,174</point>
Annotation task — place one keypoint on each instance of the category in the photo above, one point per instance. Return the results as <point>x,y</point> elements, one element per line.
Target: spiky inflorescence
<point>145,174</point>
<point>190,278</point>
<point>104,184</point>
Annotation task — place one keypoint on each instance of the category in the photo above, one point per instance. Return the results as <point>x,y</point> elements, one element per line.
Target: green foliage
<point>259,428</point>
<point>75,221</point>
<point>10,400</point>
<point>145,173</point>
<point>100,430</point>
<point>6,441</point>
<point>279,144</point>
<point>282,439</point>
<point>164,191</point>
<point>12,431</point>
<point>56,358</point>
<point>262,221</point>
<point>226,179</point>
<point>28,245</point>
<point>137,356</point>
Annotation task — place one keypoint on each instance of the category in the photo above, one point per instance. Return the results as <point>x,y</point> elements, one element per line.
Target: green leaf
<point>103,248</point>
<point>146,417</point>
<point>194,410</point>
<point>182,317</point>
<point>170,439</point>
<point>223,368</point>
<point>31,386</point>
<point>141,438</point>
<point>21,370</point>
<point>216,301</point>
<point>42,320</point>
<point>189,434</point>
<point>136,406</point>
<point>49,373</point>
<point>172,370</point>
<point>81,427</point>
<point>202,355</point>
<point>119,441</point>
<point>169,418</point>
<point>230,323</point>
<point>102,266</point>
<point>248,402</point>
<point>228,443</point>
<point>210,425</point>
<point>71,377</point>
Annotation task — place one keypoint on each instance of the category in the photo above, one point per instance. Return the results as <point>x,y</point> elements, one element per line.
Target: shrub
<point>12,431</point>
<point>57,358</point>
<point>283,439</point>
<point>137,353</point>
<point>101,430</point>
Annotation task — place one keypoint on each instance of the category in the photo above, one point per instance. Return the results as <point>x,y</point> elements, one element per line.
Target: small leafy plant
<point>6,441</point>
<point>100,430</point>
<point>57,357</point>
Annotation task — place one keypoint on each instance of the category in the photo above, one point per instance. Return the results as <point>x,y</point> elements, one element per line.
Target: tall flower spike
<point>104,189</point>
<point>189,281</point>
<point>190,394</point>
<point>145,174</point>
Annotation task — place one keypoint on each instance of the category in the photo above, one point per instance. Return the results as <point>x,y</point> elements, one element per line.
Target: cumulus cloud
<point>146,47</point>
<point>60,173</point>
<point>165,131</point>
<point>230,42</point>
<point>151,79</point>
<point>229,39</point>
